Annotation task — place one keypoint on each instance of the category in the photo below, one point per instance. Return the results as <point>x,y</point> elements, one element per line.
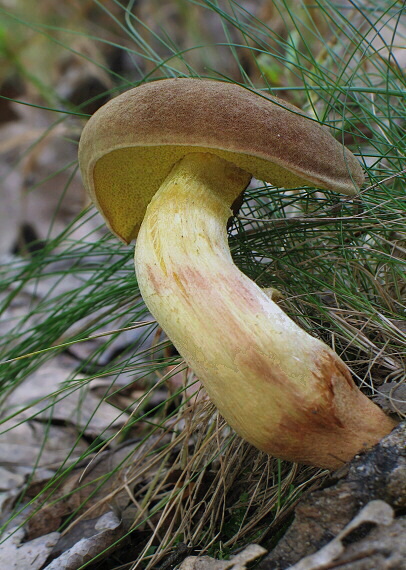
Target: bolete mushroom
<point>164,163</point>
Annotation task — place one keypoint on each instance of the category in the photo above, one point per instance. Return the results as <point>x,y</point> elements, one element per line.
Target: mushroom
<point>164,163</point>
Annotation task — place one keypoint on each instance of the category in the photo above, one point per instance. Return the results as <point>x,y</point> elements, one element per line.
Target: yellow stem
<point>281,389</point>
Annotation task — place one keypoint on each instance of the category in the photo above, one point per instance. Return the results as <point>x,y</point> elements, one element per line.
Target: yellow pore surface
<point>125,180</point>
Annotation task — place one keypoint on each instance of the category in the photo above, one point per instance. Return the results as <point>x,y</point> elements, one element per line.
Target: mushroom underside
<point>123,173</point>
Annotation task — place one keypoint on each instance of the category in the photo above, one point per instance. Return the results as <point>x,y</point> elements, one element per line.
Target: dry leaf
<point>35,443</point>
<point>108,531</point>
<point>376,512</point>
<point>237,562</point>
<point>384,548</point>
<point>392,397</point>
<point>16,555</point>
<point>76,405</point>
<point>9,479</point>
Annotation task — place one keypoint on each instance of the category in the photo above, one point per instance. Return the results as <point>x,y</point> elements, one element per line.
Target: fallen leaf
<point>36,443</point>
<point>376,512</point>
<point>237,562</point>
<point>392,397</point>
<point>76,405</point>
<point>108,530</point>
<point>384,548</point>
<point>16,555</point>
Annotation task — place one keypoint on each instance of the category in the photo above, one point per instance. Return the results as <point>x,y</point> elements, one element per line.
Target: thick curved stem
<point>278,387</point>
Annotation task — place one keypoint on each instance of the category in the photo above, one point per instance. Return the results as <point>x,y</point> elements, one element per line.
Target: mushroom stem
<point>281,389</point>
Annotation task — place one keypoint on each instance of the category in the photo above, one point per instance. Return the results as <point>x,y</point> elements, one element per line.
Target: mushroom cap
<point>129,145</point>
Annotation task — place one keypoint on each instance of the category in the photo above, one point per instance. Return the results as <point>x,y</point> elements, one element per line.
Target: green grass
<point>340,263</point>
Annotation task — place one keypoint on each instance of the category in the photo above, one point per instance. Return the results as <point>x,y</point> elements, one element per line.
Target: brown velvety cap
<point>130,144</point>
